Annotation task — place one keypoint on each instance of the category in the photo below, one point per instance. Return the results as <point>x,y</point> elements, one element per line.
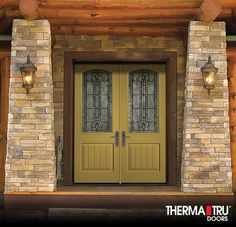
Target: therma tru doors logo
<point>213,213</point>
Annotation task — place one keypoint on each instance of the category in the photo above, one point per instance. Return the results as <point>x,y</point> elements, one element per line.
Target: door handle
<point>123,135</point>
<point>116,138</point>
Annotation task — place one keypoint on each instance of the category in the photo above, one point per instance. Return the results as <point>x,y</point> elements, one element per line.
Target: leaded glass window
<point>143,101</point>
<point>97,101</point>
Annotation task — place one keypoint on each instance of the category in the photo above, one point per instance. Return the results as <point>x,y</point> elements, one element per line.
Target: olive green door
<point>96,152</point>
<point>119,124</point>
<point>142,125</point>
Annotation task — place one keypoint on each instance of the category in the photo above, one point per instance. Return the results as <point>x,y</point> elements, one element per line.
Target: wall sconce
<point>209,72</point>
<point>27,72</point>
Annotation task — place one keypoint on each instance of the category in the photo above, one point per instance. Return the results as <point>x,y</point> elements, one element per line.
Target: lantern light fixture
<point>28,72</point>
<point>209,72</point>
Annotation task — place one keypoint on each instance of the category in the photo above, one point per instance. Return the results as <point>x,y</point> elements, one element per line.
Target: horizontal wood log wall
<point>111,15</point>
<point>117,4</point>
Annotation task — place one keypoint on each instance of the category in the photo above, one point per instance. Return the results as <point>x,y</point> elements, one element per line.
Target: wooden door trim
<point>5,66</point>
<point>231,58</point>
<point>169,58</point>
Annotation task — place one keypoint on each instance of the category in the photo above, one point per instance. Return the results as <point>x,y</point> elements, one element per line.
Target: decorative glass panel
<point>97,101</point>
<point>143,98</point>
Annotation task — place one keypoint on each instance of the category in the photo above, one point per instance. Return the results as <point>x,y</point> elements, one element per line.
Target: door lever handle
<point>116,138</point>
<point>123,135</point>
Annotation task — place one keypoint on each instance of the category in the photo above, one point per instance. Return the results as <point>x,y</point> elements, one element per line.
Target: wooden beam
<point>88,22</point>
<point>118,30</point>
<point>115,14</point>
<point>209,11</point>
<point>120,4</point>
<point>228,4</point>
<point>124,14</point>
<point>29,9</point>
<point>130,4</point>
<point>110,10</point>
<point>13,13</point>
<point>7,3</point>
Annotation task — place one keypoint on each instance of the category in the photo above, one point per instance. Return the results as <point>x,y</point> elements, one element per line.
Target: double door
<point>119,123</point>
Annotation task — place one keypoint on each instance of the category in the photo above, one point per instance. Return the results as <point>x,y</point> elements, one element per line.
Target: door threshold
<point>110,194</point>
<point>126,189</point>
<point>119,188</point>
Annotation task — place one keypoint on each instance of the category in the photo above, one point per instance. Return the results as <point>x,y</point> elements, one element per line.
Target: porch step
<point>107,207</point>
<point>103,201</point>
<point>90,215</point>
<point>105,215</point>
<point>78,215</point>
<point>2,215</point>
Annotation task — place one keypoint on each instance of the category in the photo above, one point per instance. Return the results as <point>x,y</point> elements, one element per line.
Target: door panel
<point>143,152</point>
<point>96,155</point>
<point>143,157</point>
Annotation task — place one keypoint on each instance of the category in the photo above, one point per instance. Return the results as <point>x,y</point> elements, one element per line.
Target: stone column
<point>206,162</point>
<point>30,161</point>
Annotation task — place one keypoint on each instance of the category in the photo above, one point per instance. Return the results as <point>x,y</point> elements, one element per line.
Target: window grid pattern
<point>143,101</point>
<point>97,101</point>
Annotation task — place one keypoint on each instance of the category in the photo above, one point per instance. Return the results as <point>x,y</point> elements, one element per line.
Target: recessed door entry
<point>120,123</point>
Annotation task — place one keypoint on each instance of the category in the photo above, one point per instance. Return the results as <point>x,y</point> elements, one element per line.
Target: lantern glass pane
<point>27,77</point>
<point>209,78</point>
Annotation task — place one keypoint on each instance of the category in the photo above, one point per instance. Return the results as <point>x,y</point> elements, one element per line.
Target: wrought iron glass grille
<point>143,101</point>
<point>97,101</point>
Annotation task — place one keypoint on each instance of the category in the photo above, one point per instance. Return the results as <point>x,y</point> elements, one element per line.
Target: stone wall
<point>30,161</point>
<point>116,43</point>
<point>206,165</point>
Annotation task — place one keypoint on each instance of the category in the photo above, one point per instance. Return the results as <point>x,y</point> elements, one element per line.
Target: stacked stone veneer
<point>206,163</point>
<point>30,161</point>
<point>118,43</point>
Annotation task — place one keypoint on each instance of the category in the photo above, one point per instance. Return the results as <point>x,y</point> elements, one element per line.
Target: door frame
<point>231,58</point>
<point>5,53</point>
<point>168,58</point>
